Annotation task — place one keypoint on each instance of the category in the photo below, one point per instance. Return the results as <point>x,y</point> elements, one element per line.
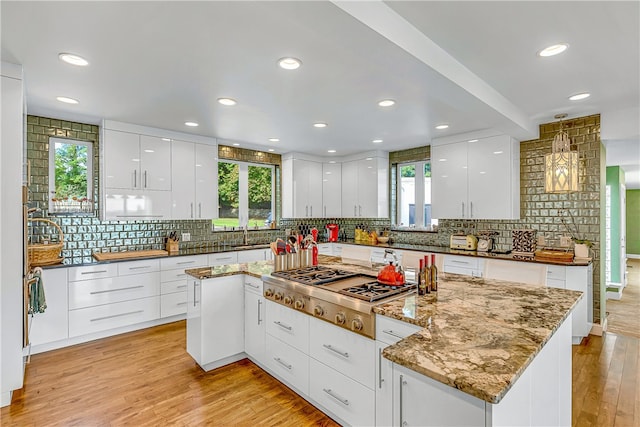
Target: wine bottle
<point>422,286</point>
<point>434,273</point>
<point>427,274</point>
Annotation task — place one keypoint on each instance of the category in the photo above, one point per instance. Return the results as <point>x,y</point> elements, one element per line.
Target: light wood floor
<point>146,378</point>
<point>624,314</point>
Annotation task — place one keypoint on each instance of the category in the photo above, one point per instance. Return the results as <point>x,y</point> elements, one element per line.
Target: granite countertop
<point>479,335</point>
<point>255,269</point>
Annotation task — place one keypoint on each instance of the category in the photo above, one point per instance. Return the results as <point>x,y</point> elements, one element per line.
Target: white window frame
<point>419,195</point>
<point>52,166</point>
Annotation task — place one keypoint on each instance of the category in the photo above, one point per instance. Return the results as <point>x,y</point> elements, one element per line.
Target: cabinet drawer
<point>289,364</point>
<point>223,258</point>
<point>105,291</point>
<point>556,272</point>
<point>138,267</point>
<point>173,304</point>
<point>173,286</point>
<point>109,316</point>
<point>90,272</point>
<point>325,249</point>
<point>183,262</point>
<point>171,275</point>
<point>462,262</point>
<point>288,325</point>
<point>391,331</point>
<point>348,399</point>
<point>253,284</point>
<point>252,255</point>
<point>345,351</point>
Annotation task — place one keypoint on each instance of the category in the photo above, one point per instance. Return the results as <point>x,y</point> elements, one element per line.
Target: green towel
<point>37,300</point>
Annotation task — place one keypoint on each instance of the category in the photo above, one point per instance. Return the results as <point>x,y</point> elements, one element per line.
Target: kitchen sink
<point>259,246</point>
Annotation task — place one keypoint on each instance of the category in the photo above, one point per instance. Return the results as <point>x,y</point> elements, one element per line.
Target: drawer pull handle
<point>182,303</point>
<point>282,325</point>
<point>140,267</point>
<point>341,353</point>
<point>181,287</point>
<point>393,334</point>
<point>345,402</point>
<point>185,262</point>
<point>223,259</point>
<point>94,272</point>
<point>460,262</point>
<point>115,290</point>
<point>252,285</point>
<point>380,379</point>
<point>181,275</point>
<point>116,315</point>
<point>277,359</point>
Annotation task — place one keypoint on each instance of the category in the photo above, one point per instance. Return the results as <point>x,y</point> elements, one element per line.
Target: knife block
<point>172,246</point>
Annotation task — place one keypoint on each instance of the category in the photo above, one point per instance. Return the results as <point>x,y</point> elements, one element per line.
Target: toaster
<point>465,243</point>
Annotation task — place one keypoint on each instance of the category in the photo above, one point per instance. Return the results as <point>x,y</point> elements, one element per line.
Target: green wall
<point>633,222</point>
<point>615,176</point>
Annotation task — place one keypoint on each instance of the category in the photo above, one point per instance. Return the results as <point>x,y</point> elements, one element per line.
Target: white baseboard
<point>599,328</point>
<point>5,398</point>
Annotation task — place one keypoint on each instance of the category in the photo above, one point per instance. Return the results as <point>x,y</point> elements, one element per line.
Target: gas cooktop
<point>314,275</point>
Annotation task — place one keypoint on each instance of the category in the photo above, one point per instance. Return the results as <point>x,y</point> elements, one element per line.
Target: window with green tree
<point>70,176</point>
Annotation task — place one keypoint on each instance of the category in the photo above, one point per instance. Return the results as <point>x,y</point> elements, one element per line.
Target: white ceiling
<point>472,65</point>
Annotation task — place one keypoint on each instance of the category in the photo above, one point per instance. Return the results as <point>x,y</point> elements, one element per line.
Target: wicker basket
<point>45,254</point>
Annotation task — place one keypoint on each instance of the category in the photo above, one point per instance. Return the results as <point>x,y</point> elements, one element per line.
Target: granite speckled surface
<point>479,335</point>
<point>255,269</point>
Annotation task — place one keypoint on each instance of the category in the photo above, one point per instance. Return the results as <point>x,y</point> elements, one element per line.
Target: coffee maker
<point>332,232</point>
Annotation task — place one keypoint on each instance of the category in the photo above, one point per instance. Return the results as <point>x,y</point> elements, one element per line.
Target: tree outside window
<point>70,176</point>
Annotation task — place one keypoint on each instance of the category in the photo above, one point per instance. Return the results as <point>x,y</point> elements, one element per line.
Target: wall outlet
<point>186,237</point>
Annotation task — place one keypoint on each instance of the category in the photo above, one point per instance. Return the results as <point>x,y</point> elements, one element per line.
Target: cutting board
<point>111,256</point>
<point>551,255</point>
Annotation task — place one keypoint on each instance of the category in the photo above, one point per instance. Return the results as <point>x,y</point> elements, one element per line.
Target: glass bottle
<point>434,273</point>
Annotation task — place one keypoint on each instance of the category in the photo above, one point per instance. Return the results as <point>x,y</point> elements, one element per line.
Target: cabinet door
<point>449,180</point>
<point>301,197</point>
<point>254,329</point>
<point>314,195</point>
<point>183,178</point>
<point>194,318</point>
<point>121,159</point>
<point>490,178</point>
<point>53,324</point>
<point>155,163</point>
<point>368,187</point>
<point>331,190</point>
<point>383,387</point>
<point>350,189</point>
<point>206,206</point>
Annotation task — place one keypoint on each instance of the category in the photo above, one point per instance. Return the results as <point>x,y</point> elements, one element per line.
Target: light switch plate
<point>186,237</point>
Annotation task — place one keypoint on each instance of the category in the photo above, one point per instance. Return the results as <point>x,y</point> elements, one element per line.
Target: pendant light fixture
<point>561,165</point>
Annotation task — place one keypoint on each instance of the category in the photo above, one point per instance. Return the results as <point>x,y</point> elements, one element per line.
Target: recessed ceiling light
<point>369,158</point>
<point>440,127</point>
<point>320,125</point>
<point>289,63</point>
<point>331,151</point>
<point>192,124</point>
<point>579,96</point>
<point>497,152</point>
<point>377,141</point>
<point>553,49</point>
<point>442,160</point>
<point>72,59</point>
<point>235,144</point>
<point>271,150</point>
<point>386,102</point>
<point>149,151</point>
<point>332,161</point>
<point>67,100</point>
<point>472,140</point>
<point>274,140</point>
<point>227,101</point>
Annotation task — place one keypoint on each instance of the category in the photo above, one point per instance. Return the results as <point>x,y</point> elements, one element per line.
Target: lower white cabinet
<point>467,265</point>
<point>173,304</point>
<point>215,320</point>
<point>575,278</point>
<point>222,258</point>
<point>109,316</point>
<point>288,363</point>
<point>351,401</point>
<point>173,283</point>
<point>53,324</point>
<point>254,319</point>
<point>88,293</point>
<point>252,255</point>
<point>288,325</point>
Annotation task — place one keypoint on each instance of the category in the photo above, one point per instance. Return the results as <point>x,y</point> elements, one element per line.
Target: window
<point>70,176</point>
<point>245,194</point>
<point>413,195</point>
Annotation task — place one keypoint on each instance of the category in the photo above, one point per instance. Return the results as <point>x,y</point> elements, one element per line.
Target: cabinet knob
<point>268,293</point>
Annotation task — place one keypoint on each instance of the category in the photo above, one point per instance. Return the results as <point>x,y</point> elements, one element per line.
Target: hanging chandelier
<point>561,165</point>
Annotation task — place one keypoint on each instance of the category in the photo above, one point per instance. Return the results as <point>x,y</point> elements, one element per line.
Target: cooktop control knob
<point>278,296</point>
<point>288,300</point>
<point>356,324</point>
<point>299,304</point>
<point>340,318</point>
<point>318,310</point>
<point>268,293</point>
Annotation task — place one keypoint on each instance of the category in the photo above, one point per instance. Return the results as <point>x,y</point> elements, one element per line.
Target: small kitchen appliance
<point>333,231</point>
<point>465,243</point>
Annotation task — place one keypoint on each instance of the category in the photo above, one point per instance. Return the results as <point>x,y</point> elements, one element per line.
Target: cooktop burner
<point>374,291</point>
<point>314,275</point>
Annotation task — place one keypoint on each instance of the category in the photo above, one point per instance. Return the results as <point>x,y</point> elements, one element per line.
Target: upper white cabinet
<point>301,188</point>
<point>194,181</point>
<point>365,188</point>
<point>331,189</point>
<point>476,178</point>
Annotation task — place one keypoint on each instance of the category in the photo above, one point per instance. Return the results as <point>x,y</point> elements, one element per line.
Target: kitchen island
<point>480,352</point>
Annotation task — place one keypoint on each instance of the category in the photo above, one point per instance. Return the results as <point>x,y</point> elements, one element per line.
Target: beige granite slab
<point>255,269</point>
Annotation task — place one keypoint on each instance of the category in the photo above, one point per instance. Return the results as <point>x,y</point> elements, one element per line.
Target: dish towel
<point>37,300</point>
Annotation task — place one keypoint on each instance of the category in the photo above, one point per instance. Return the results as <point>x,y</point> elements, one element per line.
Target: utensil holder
<point>306,258</point>
<point>293,261</point>
<point>280,262</point>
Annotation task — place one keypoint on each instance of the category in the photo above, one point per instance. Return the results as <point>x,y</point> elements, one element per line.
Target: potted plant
<point>581,246</point>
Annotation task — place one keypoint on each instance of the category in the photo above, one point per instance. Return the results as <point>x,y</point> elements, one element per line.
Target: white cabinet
<point>173,283</point>
<point>288,364</point>
<point>133,161</point>
<point>288,325</point>
<point>252,255</point>
<point>476,178</point>
<point>575,278</point>
<point>53,324</point>
<point>301,188</point>
<point>365,188</point>
<point>254,319</point>
<point>115,315</point>
<point>194,180</point>
<point>215,334</point>
<point>331,190</point>
<point>467,265</point>
<point>222,258</point>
